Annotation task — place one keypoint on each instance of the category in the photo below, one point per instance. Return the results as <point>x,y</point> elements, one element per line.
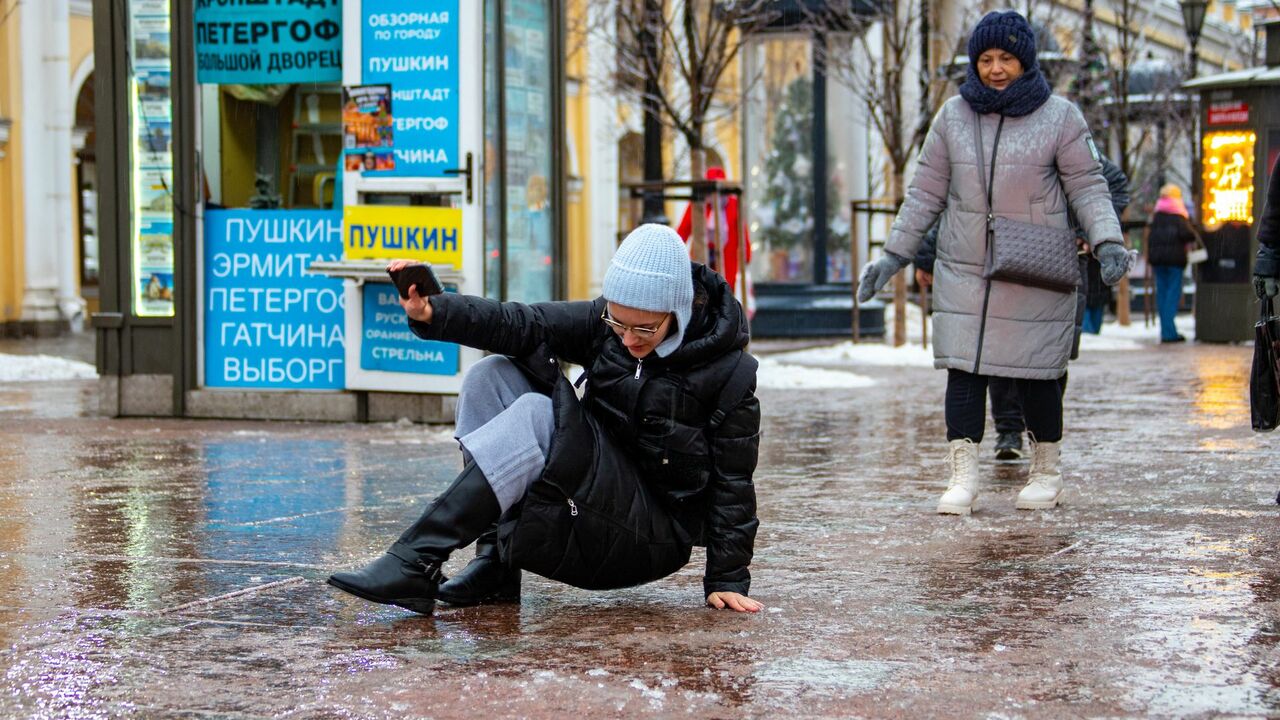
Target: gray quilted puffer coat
<point>1027,332</point>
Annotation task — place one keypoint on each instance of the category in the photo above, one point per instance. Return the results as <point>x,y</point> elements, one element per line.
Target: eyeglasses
<point>644,333</point>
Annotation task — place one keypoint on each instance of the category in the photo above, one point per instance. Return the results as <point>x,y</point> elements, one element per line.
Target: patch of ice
<point>645,690</point>
<point>782,376</point>
<point>32,368</point>
<point>819,676</point>
<point>1137,336</point>
<point>1106,343</point>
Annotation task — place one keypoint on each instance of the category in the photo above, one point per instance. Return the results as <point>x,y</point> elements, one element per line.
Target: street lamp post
<point>1193,20</point>
<point>1193,12</point>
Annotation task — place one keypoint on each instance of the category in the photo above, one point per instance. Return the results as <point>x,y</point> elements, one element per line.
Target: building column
<point>602,138</point>
<point>51,298</point>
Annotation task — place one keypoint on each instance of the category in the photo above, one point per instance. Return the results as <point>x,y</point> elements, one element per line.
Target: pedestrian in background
<point>1169,238</point>
<point>607,492</point>
<point>1040,157</point>
<point>1266,269</point>
<point>1097,294</point>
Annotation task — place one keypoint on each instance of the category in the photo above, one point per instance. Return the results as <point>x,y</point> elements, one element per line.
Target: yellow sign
<point>378,232</point>
<point>1228,178</point>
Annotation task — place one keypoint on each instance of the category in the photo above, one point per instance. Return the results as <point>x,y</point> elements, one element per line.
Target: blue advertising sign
<point>256,42</point>
<point>413,46</point>
<point>268,323</point>
<point>388,343</point>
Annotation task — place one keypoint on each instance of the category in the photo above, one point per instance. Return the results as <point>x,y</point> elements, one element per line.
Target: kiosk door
<point>413,179</point>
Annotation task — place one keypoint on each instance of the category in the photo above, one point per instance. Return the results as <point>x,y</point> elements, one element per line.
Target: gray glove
<point>877,274</point>
<point>1114,260</point>
<point>1266,286</point>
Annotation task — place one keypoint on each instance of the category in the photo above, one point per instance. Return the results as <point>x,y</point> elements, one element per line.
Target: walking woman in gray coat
<point>983,328</point>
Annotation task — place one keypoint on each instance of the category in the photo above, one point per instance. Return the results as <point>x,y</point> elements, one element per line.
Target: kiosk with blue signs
<point>265,162</point>
<point>428,204</point>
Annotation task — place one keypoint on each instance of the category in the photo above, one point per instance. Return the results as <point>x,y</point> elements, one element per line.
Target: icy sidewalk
<point>167,568</point>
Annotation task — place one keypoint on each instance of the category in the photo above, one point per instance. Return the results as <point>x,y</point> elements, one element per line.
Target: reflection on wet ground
<point>163,568</point>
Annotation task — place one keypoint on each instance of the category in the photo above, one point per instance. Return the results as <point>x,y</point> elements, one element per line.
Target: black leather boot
<point>409,576</point>
<point>486,579</point>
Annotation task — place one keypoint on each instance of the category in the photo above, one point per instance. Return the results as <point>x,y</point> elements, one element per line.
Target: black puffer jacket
<point>1096,292</point>
<point>1167,239</point>
<point>634,477</point>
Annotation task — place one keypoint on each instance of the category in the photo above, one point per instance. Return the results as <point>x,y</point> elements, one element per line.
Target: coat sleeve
<point>1268,263</point>
<point>927,195</point>
<point>731,521</point>
<point>1083,182</point>
<point>512,328</point>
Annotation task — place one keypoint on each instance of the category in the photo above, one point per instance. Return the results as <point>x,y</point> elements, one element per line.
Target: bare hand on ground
<point>733,601</point>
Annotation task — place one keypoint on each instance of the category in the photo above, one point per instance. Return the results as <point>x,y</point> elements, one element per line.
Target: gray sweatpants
<point>505,426</point>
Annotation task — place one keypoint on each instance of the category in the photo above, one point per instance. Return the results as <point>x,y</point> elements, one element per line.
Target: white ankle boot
<point>1044,488</point>
<point>962,456</point>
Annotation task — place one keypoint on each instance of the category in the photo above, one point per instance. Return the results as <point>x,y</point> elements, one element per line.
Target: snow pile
<point>864,353</point>
<point>783,376</point>
<point>27,368</point>
<point>915,323</point>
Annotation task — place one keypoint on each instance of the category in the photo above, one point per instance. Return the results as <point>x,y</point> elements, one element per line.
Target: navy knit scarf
<point>1022,97</point>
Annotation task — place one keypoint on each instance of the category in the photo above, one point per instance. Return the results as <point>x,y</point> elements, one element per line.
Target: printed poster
<point>368,128</point>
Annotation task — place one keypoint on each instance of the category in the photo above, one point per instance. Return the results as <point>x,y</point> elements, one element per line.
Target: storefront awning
<point>1252,77</point>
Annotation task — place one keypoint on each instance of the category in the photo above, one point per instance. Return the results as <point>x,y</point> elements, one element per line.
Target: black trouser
<point>966,407</point>
<point>1006,403</point>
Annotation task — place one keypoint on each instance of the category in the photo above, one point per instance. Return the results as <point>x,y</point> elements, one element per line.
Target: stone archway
<point>85,179</point>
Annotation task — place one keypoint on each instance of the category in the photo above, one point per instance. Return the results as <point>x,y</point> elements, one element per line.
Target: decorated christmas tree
<point>786,213</point>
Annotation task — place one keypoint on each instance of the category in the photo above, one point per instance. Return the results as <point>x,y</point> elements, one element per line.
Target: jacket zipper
<point>573,511</point>
<point>982,326</point>
<point>639,364</point>
<point>991,219</point>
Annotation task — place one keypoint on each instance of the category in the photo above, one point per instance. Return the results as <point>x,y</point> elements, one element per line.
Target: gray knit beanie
<point>651,271</point>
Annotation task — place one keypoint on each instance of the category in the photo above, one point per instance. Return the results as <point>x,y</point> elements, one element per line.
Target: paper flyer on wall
<point>368,128</point>
<point>151,41</point>
<point>154,257</point>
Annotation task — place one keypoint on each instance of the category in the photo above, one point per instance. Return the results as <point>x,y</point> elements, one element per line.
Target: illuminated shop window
<point>151,152</point>
<point>1228,178</point>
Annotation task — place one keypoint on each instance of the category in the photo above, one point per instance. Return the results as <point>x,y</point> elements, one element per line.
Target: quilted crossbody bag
<point>1024,253</point>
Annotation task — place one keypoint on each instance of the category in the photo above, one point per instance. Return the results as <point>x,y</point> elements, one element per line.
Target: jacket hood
<point>717,324</point>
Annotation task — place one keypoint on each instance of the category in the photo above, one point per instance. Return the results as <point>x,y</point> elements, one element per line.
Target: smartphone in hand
<point>419,274</point>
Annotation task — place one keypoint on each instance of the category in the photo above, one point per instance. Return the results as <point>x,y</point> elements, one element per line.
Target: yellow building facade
<point>47,51</point>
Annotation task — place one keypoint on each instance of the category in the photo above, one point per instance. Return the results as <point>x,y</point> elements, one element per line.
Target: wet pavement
<point>163,568</point>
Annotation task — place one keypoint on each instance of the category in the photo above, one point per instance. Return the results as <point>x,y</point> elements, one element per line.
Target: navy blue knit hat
<point>1008,31</point>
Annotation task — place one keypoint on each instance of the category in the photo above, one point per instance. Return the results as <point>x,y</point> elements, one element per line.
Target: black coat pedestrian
<point>1098,293</point>
<point>1168,236</point>
<point>1268,262</point>
<point>635,477</point>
